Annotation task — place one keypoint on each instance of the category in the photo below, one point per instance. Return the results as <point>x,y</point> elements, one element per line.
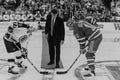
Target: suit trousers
<point>54,49</point>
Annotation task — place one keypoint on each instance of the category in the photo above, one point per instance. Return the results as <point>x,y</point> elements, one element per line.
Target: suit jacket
<point>58,29</point>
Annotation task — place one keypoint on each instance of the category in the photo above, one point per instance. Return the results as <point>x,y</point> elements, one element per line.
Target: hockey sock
<point>90,60</point>
<point>11,62</point>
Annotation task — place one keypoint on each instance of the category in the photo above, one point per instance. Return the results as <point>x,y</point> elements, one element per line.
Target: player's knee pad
<point>90,55</point>
<point>18,53</point>
<point>19,59</point>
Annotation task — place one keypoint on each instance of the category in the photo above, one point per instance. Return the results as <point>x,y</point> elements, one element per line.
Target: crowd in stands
<point>39,9</point>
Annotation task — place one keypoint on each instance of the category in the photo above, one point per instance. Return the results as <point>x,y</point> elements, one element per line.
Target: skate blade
<point>15,77</point>
<point>91,77</point>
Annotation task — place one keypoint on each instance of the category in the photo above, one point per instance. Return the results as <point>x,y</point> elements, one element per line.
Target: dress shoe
<point>50,63</point>
<point>57,66</point>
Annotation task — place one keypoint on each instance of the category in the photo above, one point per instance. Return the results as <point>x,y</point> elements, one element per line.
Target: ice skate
<point>10,70</point>
<point>21,66</point>
<point>90,74</point>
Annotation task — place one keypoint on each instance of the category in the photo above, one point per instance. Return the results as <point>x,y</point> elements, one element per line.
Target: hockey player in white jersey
<point>15,40</point>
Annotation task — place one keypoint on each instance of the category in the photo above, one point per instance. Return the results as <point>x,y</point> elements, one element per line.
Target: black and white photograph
<point>59,39</point>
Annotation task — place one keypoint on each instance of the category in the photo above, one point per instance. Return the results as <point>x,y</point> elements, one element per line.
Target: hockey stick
<point>4,60</point>
<point>41,72</point>
<point>64,72</point>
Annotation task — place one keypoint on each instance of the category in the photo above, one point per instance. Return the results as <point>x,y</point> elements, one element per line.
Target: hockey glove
<point>83,51</point>
<point>31,29</point>
<point>24,52</point>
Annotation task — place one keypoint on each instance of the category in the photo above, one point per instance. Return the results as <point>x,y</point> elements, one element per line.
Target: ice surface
<point>108,50</point>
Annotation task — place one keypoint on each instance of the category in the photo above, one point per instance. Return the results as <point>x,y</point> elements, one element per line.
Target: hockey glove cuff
<point>24,52</point>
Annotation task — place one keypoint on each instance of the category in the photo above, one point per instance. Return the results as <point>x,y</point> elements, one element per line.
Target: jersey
<point>85,31</point>
<point>16,31</point>
<point>13,36</point>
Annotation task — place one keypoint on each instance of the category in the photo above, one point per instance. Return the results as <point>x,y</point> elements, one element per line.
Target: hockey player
<point>17,35</point>
<point>89,38</point>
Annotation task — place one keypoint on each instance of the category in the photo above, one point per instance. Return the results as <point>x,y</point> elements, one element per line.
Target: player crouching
<point>16,35</point>
<point>89,38</point>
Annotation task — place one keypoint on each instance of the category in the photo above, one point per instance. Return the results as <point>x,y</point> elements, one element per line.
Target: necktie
<point>52,25</point>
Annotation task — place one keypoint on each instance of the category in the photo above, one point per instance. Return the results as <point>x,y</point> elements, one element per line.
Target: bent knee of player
<point>18,56</point>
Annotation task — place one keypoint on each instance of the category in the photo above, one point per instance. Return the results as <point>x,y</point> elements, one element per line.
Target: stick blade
<point>64,72</point>
<point>45,72</point>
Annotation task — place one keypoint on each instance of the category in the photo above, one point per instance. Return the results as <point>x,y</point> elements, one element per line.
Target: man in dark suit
<point>55,33</point>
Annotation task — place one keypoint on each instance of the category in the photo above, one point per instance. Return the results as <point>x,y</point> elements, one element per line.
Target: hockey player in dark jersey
<point>89,38</point>
<point>14,39</point>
